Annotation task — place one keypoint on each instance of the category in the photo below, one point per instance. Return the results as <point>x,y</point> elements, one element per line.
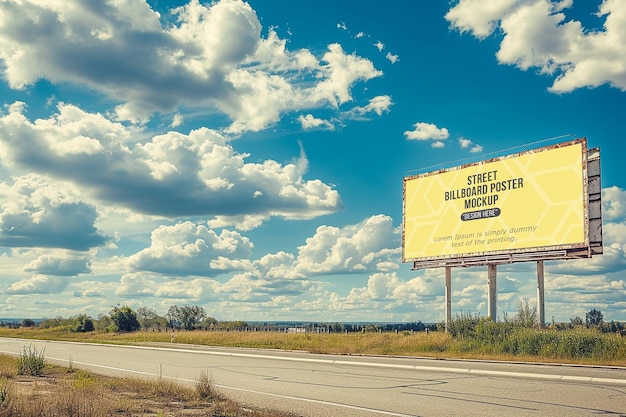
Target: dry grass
<point>433,344</point>
<point>63,392</point>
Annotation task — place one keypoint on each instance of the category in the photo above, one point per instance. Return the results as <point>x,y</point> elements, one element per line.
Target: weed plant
<point>31,361</point>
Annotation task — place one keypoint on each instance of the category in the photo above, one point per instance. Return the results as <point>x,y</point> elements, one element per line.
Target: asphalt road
<point>364,386</point>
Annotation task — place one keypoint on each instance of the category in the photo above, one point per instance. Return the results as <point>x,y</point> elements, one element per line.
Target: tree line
<point>122,318</point>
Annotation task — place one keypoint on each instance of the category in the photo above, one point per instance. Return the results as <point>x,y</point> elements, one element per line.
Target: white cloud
<point>613,203</point>
<point>39,284</point>
<point>189,249</point>
<point>538,34</point>
<point>466,143</point>
<point>426,131</point>
<point>177,120</point>
<point>194,290</point>
<point>378,105</point>
<point>243,222</point>
<point>172,174</point>
<point>310,122</point>
<point>59,265</point>
<point>392,58</point>
<point>339,73</point>
<point>209,56</point>
<point>354,248</point>
<point>614,232</point>
<point>379,45</point>
<point>90,293</point>
<point>136,284</point>
<point>478,16</point>
<point>39,213</point>
<point>612,260</point>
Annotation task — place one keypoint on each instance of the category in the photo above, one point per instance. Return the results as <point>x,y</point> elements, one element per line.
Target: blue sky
<point>249,157</point>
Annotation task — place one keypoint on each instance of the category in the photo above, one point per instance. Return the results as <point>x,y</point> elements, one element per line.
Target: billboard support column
<point>491,303</point>
<point>448,297</point>
<point>540,292</point>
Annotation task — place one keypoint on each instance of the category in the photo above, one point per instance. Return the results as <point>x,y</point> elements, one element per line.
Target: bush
<point>28,323</point>
<point>205,388</point>
<point>464,325</point>
<point>56,322</point>
<point>125,319</point>
<point>83,324</point>
<point>31,362</point>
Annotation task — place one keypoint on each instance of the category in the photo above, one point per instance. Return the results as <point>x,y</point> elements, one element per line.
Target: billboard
<point>531,201</point>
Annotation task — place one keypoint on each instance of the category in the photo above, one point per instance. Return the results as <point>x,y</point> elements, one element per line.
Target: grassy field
<point>71,392</point>
<point>580,346</point>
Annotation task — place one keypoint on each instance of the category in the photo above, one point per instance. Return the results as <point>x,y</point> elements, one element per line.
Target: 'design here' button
<point>481,214</point>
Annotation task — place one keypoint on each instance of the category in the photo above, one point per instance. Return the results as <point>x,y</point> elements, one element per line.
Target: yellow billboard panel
<point>530,201</point>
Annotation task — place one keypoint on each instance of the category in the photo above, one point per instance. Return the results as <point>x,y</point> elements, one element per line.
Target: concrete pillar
<point>541,305</point>
<point>448,296</point>
<point>491,298</point>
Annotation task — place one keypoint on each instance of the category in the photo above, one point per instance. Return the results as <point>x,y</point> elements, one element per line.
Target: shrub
<point>83,324</point>
<point>31,361</point>
<point>205,388</point>
<point>55,322</point>
<point>4,390</point>
<point>28,323</point>
<point>464,325</point>
<point>125,319</point>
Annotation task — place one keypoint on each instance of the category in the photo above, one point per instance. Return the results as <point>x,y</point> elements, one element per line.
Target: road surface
<point>365,386</point>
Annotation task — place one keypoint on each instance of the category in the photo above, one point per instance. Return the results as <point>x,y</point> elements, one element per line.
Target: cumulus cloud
<point>90,293</point>
<point>59,266</point>
<point>392,58</point>
<point>613,259</point>
<point>172,174</point>
<point>208,55</point>
<point>378,105</point>
<point>190,249</point>
<point>537,34</point>
<point>426,131</point>
<point>467,144</point>
<point>613,203</point>
<point>311,122</point>
<point>613,215</point>
<point>478,16</point>
<point>39,284</point>
<point>354,248</point>
<point>37,213</point>
<point>135,284</point>
<point>255,287</point>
